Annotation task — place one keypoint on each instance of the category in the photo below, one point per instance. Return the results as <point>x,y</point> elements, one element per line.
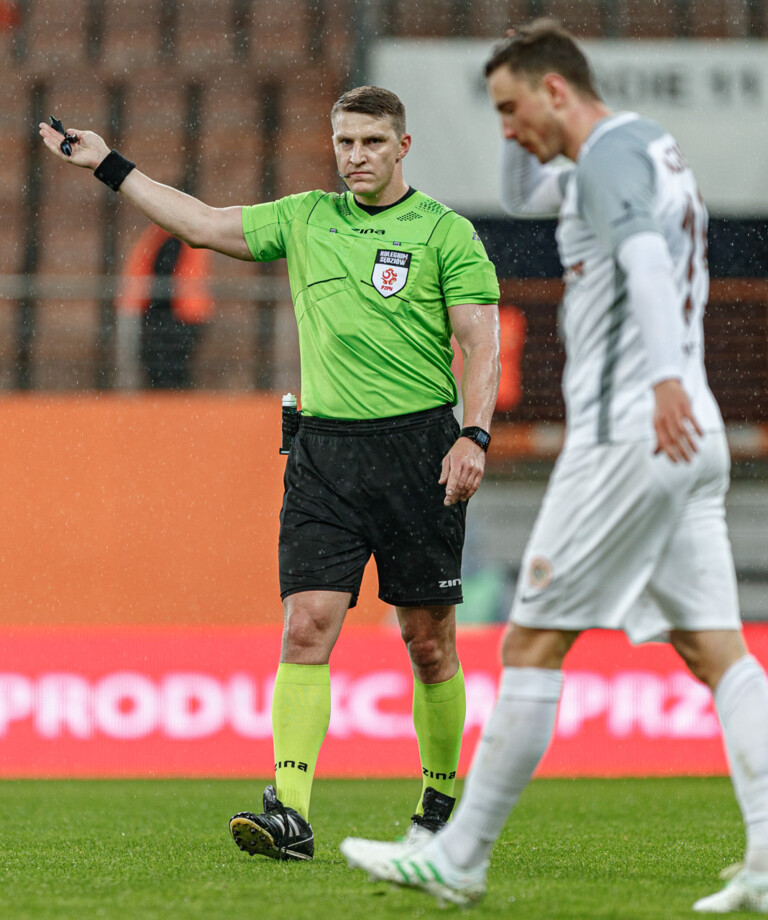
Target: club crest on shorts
<point>539,572</point>
<point>390,271</point>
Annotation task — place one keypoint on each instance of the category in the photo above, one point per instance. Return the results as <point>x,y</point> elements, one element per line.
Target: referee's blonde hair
<point>373,100</point>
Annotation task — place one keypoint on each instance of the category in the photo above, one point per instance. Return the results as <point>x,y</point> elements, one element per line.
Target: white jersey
<point>630,178</point>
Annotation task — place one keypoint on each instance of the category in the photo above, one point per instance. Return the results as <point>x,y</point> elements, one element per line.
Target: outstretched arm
<point>188,218</point>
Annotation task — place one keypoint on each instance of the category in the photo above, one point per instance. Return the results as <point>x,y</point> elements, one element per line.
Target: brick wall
<point>263,78</point>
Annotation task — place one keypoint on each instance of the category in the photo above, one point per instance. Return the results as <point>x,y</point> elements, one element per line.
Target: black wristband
<point>113,169</point>
<point>479,435</point>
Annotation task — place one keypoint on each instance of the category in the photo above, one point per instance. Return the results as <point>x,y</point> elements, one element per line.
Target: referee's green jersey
<point>370,293</point>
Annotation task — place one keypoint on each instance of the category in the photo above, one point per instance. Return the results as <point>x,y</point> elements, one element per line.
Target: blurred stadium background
<point>139,610</point>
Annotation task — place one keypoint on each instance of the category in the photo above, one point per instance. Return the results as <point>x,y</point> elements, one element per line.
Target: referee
<point>381,277</point>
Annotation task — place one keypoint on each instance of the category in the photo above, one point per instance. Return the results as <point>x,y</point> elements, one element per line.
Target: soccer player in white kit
<point>631,534</point>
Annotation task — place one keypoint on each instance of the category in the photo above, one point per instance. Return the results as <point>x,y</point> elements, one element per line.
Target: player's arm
<point>616,195</point>
<point>654,301</point>
<point>186,217</point>
<point>528,188</point>
<point>476,327</point>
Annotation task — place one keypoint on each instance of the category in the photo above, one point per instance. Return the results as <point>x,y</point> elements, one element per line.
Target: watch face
<point>480,437</point>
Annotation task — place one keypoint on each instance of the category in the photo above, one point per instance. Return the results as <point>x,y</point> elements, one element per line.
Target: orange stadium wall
<point>137,510</point>
<point>140,616</point>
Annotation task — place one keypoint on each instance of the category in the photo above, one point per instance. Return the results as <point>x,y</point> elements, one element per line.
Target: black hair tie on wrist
<point>113,169</point>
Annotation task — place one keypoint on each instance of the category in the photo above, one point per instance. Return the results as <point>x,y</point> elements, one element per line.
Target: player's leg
<point>301,704</point>
<point>580,569</point>
<point>740,687</point>
<point>417,543</point>
<point>695,584</point>
<point>439,707</point>
<point>321,558</point>
<point>301,712</point>
<point>513,742</point>
<point>452,865</point>
<point>709,654</point>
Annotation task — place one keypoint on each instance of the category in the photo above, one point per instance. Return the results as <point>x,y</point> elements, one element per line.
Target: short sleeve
<point>267,227</point>
<point>467,275</point>
<point>615,188</point>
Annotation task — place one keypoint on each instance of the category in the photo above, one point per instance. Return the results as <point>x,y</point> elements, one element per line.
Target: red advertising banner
<point>196,702</point>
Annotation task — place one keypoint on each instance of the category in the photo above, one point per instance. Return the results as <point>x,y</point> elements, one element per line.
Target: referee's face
<point>369,156</point>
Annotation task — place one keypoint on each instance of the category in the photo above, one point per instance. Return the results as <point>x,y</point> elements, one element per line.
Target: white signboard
<point>713,96</point>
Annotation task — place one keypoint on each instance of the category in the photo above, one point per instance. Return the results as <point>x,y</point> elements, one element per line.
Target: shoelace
<point>282,842</point>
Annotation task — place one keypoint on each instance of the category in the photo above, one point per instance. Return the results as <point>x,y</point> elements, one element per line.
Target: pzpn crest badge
<point>390,271</point>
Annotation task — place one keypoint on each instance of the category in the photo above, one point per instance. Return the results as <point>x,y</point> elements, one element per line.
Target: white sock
<point>513,742</point>
<point>741,698</point>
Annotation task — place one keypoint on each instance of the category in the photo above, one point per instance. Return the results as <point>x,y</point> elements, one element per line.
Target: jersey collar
<point>373,210</point>
<point>603,127</point>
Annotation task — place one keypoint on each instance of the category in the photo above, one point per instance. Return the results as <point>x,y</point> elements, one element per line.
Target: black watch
<point>479,435</point>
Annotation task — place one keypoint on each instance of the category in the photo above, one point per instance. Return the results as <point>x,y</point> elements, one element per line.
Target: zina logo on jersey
<point>390,271</point>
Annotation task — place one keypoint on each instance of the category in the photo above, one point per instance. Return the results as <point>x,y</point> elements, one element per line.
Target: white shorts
<point>628,540</point>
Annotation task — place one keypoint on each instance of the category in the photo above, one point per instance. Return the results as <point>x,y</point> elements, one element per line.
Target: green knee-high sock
<point>438,717</point>
<point>301,713</point>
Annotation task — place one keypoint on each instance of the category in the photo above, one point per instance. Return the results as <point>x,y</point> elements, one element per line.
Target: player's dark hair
<point>544,46</point>
<point>373,100</point>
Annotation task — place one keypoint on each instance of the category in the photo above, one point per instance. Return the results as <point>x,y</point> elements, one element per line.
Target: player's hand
<point>88,151</point>
<point>463,468</point>
<point>674,422</point>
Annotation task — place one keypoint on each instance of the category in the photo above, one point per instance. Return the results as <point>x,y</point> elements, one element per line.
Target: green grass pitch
<point>152,849</point>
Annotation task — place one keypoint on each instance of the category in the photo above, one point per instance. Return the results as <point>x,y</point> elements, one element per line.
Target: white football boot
<point>747,891</point>
<point>426,868</point>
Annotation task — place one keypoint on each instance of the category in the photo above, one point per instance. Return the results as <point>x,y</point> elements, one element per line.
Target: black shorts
<point>356,488</point>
